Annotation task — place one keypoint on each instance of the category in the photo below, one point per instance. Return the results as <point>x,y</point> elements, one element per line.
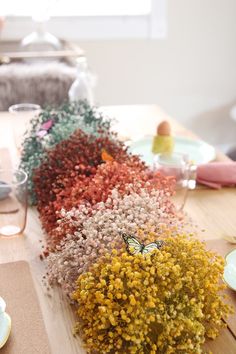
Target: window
<point>87,19</point>
<point>78,7</point>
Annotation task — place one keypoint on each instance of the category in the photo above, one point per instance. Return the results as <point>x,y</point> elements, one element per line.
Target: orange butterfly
<point>106,157</point>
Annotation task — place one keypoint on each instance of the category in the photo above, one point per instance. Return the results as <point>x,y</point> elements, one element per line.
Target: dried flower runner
<point>159,302</point>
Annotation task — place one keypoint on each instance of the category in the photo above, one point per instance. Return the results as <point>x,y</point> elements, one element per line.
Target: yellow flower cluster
<point>167,301</point>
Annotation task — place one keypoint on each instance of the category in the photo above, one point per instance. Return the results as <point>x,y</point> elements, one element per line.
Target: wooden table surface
<point>213,211</point>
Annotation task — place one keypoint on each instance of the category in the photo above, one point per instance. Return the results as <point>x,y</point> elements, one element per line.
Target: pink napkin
<point>217,174</point>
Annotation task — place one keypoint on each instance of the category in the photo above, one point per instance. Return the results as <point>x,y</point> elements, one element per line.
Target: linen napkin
<point>217,174</point>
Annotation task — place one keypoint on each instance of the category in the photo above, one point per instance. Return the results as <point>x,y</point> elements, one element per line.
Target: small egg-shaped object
<point>163,142</point>
<point>164,128</point>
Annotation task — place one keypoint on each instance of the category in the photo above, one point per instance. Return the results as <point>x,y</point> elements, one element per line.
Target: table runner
<point>28,334</point>
<point>223,247</point>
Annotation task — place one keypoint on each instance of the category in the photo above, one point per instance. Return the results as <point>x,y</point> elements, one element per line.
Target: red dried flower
<point>74,162</point>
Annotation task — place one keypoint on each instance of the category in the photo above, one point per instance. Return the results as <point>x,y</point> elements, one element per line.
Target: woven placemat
<point>28,334</point>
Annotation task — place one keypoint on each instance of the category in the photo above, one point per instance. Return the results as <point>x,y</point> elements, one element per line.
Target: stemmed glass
<point>13,202</point>
<point>178,166</point>
<point>22,113</point>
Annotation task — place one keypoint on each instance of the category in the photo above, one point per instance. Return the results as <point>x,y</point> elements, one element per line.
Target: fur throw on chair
<point>41,83</point>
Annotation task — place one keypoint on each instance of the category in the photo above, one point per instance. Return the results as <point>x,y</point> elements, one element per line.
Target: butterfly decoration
<point>133,246</point>
<point>106,157</point>
<point>45,127</point>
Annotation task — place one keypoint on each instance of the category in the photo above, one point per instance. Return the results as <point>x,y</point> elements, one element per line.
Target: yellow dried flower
<point>167,301</point>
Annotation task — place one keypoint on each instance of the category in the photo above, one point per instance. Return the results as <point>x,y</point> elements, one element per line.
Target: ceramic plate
<point>2,305</point>
<point>230,270</point>
<point>198,151</point>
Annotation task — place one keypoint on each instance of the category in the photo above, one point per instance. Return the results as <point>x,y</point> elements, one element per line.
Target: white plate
<point>2,305</point>
<point>5,328</point>
<point>230,270</point>
<point>198,151</point>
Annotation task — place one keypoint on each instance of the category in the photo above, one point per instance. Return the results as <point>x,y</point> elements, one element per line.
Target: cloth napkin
<point>217,174</point>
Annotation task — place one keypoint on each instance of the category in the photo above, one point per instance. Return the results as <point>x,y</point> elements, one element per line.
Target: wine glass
<point>177,165</point>
<point>21,114</point>
<point>13,202</point>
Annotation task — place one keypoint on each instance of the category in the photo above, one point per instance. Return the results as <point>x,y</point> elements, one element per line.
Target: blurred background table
<point>38,76</point>
<point>212,210</point>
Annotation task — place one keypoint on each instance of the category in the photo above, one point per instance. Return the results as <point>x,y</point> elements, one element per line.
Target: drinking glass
<point>178,166</point>
<point>13,202</point>
<point>22,113</point>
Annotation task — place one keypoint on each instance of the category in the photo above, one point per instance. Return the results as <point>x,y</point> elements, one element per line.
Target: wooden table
<point>213,211</point>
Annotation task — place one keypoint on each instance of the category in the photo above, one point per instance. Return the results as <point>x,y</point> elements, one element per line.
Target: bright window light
<point>86,19</point>
<point>76,7</point>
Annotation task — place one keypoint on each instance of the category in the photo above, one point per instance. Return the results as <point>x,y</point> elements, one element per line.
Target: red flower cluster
<point>69,170</point>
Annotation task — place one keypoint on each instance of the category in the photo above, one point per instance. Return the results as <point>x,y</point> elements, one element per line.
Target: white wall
<point>190,72</point>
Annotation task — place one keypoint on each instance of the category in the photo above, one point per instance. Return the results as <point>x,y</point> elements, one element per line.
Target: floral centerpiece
<point>160,294</point>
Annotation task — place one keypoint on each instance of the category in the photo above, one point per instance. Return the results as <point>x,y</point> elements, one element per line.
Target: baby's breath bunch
<point>111,175</point>
<point>126,178</point>
<point>65,120</point>
<point>74,162</point>
<point>168,301</point>
<point>99,230</point>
